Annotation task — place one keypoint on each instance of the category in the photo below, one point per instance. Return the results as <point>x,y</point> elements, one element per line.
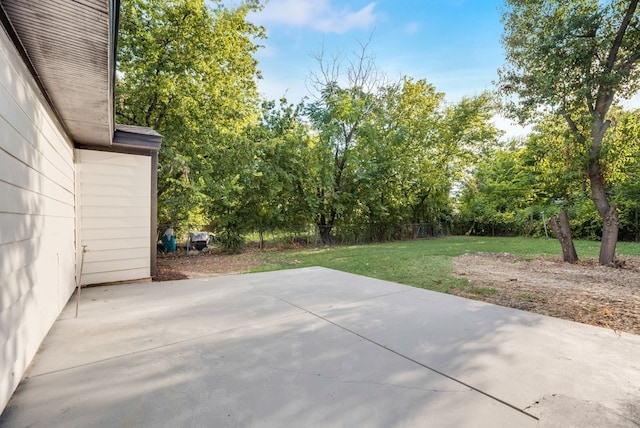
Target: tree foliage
<point>519,185</point>
<point>388,154</point>
<point>186,68</point>
<point>496,199</point>
<point>573,59</point>
<point>345,100</point>
<point>276,189</point>
<point>365,159</point>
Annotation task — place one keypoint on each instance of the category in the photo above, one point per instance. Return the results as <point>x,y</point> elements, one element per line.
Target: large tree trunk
<point>609,237</point>
<point>608,213</point>
<point>325,226</point>
<point>325,234</point>
<point>560,225</point>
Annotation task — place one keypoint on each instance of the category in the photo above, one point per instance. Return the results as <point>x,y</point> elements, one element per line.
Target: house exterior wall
<point>37,218</point>
<point>114,215</point>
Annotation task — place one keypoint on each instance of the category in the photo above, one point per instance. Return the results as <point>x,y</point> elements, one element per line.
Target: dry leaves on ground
<point>172,266</point>
<point>584,292</point>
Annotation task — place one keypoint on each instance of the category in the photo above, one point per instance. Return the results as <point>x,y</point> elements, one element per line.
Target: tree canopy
<point>187,69</point>
<point>520,185</point>
<point>573,59</point>
<point>369,159</point>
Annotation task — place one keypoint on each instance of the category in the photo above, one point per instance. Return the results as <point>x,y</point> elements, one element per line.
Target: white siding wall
<point>37,218</point>
<point>114,200</point>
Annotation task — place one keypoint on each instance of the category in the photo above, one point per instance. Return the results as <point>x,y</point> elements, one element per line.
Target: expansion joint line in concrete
<point>406,357</point>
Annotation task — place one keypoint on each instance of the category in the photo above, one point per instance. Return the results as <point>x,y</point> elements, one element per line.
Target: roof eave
<point>70,49</point>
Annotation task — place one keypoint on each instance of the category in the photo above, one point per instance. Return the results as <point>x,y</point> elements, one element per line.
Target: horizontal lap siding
<point>114,206</point>
<point>37,218</point>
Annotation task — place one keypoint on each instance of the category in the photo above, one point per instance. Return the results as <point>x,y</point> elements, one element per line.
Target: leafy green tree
<point>345,101</point>
<point>423,170</point>
<point>514,185</point>
<point>393,168</point>
<point>387,155</point>
<point>497,199</point>
<point>276,192</point>
<point>622,162</point>
<point>573,58</point>
<point>557,158</point>
<point>423,147</point>
<point>186,68</point>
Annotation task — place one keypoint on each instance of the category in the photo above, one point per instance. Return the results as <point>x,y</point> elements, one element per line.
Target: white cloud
<point>412,27</point>
<point>320,15</point>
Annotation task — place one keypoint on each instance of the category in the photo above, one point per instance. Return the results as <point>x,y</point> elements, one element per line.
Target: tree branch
<point>152,107</point>
<point>630,62</point>
<point>615,48</point>
<point>574,127</point>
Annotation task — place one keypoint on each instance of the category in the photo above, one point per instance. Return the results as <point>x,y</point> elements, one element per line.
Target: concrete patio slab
<point>532,356</point>
<point>316,347</point>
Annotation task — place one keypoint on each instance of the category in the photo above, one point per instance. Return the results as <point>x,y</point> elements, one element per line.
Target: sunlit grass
<point>423,263</point>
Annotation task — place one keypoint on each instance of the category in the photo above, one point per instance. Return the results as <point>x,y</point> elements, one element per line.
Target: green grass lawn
<point>423,263</point>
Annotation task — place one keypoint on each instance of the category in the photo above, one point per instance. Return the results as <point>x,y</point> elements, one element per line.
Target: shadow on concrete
<point>277,349</point>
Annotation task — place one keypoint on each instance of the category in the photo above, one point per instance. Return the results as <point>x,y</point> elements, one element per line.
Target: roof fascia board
<point>119,148</point>
<point>131,139</point>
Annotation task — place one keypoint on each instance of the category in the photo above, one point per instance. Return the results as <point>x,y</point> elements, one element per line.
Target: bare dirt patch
<point>181,266</point>
<point>584,292</point>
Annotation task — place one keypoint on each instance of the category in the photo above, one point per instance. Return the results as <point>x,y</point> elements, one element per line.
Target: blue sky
<point>453,44</point>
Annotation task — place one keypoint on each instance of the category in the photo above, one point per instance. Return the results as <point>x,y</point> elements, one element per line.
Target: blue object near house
<point>169,241</point>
